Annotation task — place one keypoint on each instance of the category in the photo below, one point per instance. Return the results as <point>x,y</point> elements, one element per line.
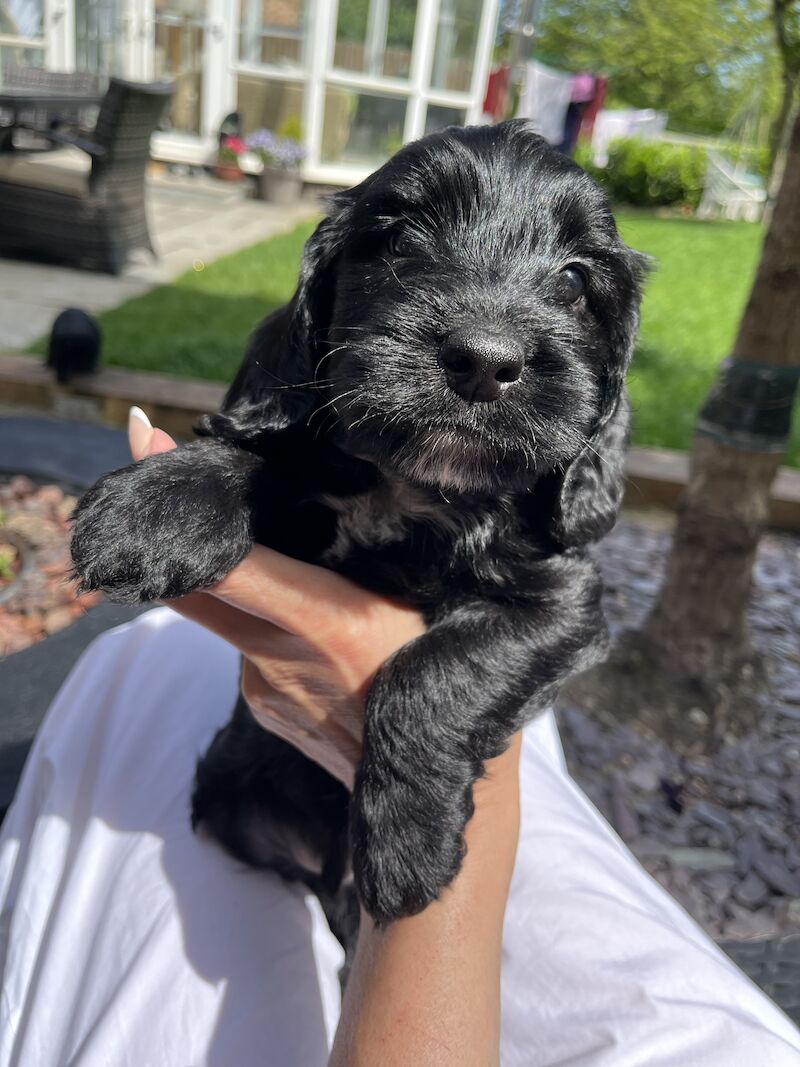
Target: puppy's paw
<point>408,843</point>
<point>164,527</point>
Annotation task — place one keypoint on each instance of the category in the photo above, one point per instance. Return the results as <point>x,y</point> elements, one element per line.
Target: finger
<point>298,597</point>
<point>238,628</point>
<point>143,439</point>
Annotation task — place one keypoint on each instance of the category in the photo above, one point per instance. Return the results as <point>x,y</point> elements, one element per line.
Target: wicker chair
<point>36,117</point>
<point>85,202</point>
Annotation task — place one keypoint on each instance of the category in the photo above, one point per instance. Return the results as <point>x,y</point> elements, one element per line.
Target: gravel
<point>722,834</point>
<point>43,599</point>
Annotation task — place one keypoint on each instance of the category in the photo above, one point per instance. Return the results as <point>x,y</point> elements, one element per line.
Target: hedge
<point>649,173</point>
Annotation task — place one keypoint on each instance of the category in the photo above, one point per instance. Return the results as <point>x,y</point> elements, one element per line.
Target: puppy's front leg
<point>443,705</point>
<point>168,525</point>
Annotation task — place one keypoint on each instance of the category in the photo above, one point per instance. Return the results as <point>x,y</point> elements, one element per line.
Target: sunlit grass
<point>198,325</point>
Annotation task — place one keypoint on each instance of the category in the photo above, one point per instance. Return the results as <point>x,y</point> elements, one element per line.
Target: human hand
<point>312,641</point>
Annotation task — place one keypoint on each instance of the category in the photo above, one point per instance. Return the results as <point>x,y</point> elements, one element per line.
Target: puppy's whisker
<point>394,275</point>
<point>290,385</point>
<point>333,351</point>
<point>587,444</point>
<point>329,403</point>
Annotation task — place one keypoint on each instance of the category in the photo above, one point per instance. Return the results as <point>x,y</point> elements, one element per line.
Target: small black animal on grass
<point>439,413</point>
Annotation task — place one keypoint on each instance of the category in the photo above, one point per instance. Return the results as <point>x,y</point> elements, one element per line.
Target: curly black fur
<point>344,441</point>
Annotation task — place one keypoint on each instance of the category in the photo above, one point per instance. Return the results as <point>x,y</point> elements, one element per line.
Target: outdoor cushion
<point>64,170</point>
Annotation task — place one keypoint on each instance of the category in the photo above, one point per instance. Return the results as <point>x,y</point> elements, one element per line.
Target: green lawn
<point>693,300</point>
<point>197,326</point>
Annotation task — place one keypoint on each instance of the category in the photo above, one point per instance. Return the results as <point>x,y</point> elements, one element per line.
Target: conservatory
<point>353,78</point>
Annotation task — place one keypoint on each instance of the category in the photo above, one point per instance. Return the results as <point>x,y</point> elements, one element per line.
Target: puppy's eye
<point>398,245</point>
<point>571,284</point>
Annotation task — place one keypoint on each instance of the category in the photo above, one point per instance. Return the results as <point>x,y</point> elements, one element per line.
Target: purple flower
<point>275,151</point>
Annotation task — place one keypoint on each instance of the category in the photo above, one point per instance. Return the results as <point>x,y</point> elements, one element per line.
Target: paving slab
<point>191,220</point>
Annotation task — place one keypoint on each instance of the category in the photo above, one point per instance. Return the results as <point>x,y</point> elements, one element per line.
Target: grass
<point>197,326</point>
<point>693,301</point>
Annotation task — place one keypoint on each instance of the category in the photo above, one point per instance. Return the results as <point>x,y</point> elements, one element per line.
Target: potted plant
<point>227,165</point>
<point>281,156</point>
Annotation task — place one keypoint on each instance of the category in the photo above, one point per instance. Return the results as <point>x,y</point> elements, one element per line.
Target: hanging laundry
<point>496,99</point>
<point>583,87</point>
<point>582,92</point>
<point>572,125</point>
<point>594,105</point>
<point>611,125</point>
<point>544,100</point>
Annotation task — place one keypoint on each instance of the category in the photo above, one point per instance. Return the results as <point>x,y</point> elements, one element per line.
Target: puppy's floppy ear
<point>589,493</point>
<point>272,389</point>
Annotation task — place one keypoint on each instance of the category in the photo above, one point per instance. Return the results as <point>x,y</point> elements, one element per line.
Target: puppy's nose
<point>479,364</point>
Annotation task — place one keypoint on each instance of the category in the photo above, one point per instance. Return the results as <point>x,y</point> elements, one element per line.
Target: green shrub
<point>583,157</point>
<point>650,173</point>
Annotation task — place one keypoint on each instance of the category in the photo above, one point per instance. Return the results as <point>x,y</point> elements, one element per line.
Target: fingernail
<point>140,430</point>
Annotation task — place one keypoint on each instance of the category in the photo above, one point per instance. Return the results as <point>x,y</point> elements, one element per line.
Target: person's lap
<point>127,939</point>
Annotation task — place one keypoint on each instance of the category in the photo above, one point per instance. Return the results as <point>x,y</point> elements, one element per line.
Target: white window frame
<point>56,42</point>
<point>319,72</point>
<point>222,66</point>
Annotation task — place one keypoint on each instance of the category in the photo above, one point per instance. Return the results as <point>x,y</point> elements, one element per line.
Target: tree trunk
<point>690,676</point>
<point>700,618</point>
<point>780,123</point>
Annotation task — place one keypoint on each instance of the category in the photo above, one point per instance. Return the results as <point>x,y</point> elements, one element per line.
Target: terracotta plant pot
<point>279,186</point>
<point>227,172</point>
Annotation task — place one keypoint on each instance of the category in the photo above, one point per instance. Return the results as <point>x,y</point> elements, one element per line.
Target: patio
<point>193,220</point>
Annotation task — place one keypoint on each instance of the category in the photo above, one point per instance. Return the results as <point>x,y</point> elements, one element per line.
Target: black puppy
<point>440,414</point>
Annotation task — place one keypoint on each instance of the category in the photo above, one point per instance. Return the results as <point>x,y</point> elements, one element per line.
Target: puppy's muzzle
<point>481,364</point>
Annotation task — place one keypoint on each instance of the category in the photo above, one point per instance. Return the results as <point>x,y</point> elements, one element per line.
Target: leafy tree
<point>702,61</point>
<point>786,22</point>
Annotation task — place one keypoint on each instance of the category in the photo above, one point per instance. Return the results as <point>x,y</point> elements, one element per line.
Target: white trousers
<point>125,939</point>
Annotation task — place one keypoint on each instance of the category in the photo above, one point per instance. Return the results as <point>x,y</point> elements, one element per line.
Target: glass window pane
<point>456,41</point>
<point>437,117</point>
<point>100,29</point>
<point>12,57</point>
<point>361,127</point>
<point>178,29</point>
<point>269,105</point>
<point>273,32</point>
<point>22,18</point>
<point>375,37</point>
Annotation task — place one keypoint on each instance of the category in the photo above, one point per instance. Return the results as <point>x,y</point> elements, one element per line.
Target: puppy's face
<point>483,304</point>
